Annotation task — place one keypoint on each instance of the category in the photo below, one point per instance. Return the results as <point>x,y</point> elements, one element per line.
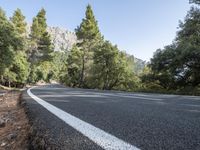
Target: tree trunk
<point>82,73</point>
<point>2,79</point>
<point>105,87</point>
<point>9,84</point>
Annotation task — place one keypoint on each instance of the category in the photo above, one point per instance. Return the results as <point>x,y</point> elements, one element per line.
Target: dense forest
<point>93,62</point>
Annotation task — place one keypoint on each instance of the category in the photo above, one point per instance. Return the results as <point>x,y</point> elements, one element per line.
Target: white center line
<point>98,136</point>
<point>131,96</point>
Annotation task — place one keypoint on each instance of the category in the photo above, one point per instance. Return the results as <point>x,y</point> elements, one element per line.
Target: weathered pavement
<point>147,121</point>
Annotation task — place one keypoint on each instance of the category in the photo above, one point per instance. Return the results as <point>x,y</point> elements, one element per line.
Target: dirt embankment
<point>14,124</point>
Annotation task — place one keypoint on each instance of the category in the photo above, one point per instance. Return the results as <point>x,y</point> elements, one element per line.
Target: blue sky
<point>137,26</point>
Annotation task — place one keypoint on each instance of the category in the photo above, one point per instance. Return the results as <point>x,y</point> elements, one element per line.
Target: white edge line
<point>2,94</point>
<point>132,96</point>
<point>98,136</point>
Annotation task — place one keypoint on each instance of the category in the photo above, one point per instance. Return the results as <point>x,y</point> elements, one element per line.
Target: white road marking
<point>144,98</point>
<point>71,95</point>
<point>128,96</point>
<point>100,137</point>
<point>191,105</point>
<point>2,94</point>
<point>90,94</point>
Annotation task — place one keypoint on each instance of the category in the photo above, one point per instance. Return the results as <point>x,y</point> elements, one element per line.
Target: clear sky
<point>136,26</point>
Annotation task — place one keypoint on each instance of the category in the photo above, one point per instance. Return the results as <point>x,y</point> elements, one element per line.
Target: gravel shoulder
<point>14,124</point>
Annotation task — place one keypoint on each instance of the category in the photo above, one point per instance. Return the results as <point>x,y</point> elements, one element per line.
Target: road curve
<point>144,121</point>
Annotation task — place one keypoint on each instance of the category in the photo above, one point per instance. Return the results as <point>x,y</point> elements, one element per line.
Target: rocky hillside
<point>62,39</point>
<point>139,65</point>
<point>135,64</point>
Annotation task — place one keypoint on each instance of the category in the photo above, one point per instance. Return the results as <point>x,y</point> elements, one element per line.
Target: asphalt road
<point>146,121</point>
<point>2,92</point>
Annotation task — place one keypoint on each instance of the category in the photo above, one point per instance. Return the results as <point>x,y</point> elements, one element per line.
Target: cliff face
<point>135,64</point>
<point>62,39</point>
<point>139,65</point>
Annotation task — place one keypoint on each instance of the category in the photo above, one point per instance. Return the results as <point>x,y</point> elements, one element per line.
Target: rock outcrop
<point>62,39</point>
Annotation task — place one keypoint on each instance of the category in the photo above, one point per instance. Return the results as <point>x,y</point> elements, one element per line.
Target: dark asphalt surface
<point>147,121</point>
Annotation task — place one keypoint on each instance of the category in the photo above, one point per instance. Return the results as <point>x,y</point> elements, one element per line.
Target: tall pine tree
<point>20,65</point>
<point>9,43</point>
<point>18,20</point>
<point>41,46</point>
<point>89,36</point>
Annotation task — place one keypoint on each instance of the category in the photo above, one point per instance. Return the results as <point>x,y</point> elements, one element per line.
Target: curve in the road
<point>100,137</point>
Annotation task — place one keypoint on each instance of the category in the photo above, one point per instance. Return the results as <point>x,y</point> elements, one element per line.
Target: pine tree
<point>74,66</point>
<point>9,42</point>
<point>35,34</point>
<point>41,46</point>
<point>110,67</point>
<point>19,22</point>
<point>40,38</point>
<point>6,52</point>
<point>88,29</point>
<point>41,19</point>
<point>20,65</point>
<point>3,17</point>
<point>195,1</point>
<point>89,36</point>
<point>177,66</point>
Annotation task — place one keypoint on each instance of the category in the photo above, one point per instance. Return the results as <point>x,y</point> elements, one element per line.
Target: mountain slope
<point>63,40</point>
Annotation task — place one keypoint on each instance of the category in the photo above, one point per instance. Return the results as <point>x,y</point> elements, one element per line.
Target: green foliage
<point>91,63</point>
<point>46,47</point>
<point>177,66</point>
<point>95,63</point>
<point>111,69</point>
<point>89,37</point>
<point>74,66</point>
<point>88,29</point>
<point>195,1</point>
<point>19,22</point>
<point>9,41</point>
<point>35,33</point>
<point>41,19</point>
<point>41,46</point>
<point>20,67</point>
<point>105,65</point>
<point>59,65</point>
<point>20,25</point>
<point>14,68</point>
